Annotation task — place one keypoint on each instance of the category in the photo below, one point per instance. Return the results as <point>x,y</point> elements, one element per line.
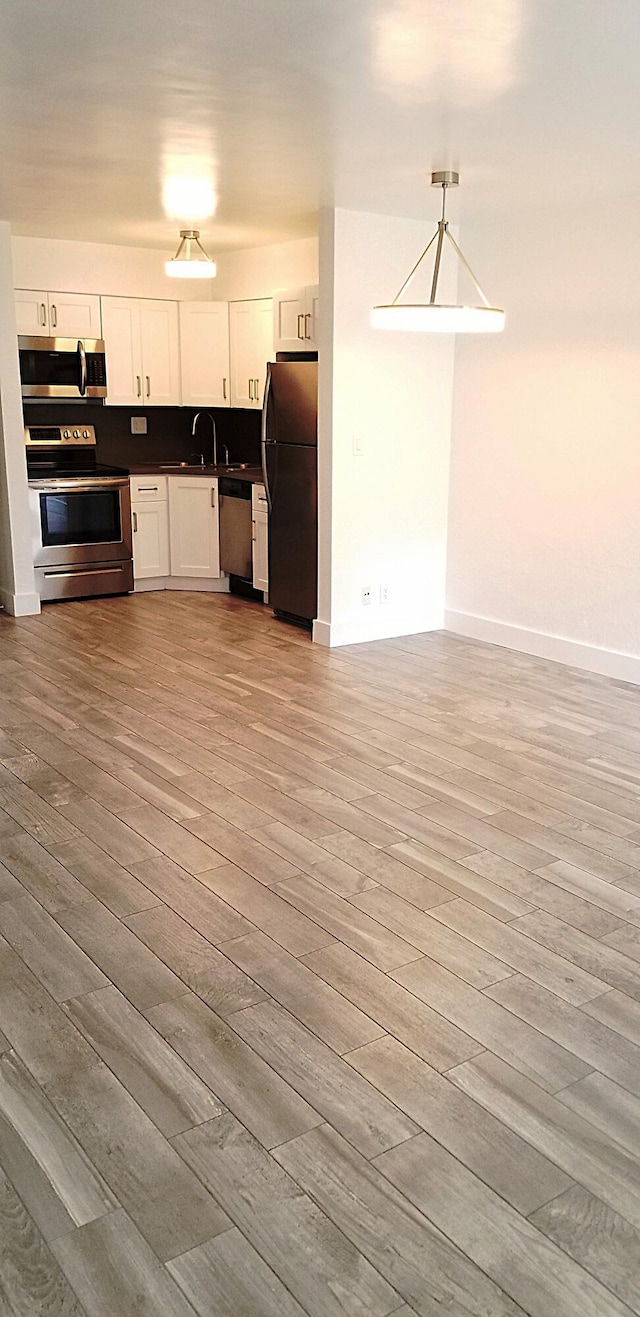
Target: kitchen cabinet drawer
<point>259,498</point>
<point>295,319</point>
<point>148,489</point>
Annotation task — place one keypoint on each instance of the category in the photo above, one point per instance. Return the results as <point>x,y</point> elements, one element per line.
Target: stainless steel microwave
<point>62,367</point>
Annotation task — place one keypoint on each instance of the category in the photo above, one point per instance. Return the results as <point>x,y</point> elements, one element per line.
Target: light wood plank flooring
<point>319,972</point>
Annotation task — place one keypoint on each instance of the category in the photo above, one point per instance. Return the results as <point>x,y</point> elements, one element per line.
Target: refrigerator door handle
<point>263,445</point>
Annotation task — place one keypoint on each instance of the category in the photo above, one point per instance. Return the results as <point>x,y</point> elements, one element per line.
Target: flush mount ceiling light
<point>435,316</point>
<point>191,260</point>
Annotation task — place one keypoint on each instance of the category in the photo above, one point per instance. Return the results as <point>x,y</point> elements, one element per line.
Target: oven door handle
<point>80,484</point>
<point>82,357</point>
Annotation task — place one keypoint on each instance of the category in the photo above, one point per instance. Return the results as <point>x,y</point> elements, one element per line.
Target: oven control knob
<point>76,434</point>
<point>66,434</point>
<point>85,434</point>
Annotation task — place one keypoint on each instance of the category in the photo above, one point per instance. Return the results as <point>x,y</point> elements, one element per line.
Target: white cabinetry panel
<point>75,315</point>
<point>260,538</point>
<point>193,526</point>
<point>32,312</point>
<point>204,353</point>
<point>143,351</point>
<point>251,338</point>
<point>150,540</point>
<point>160,353</point>
<point>150,517</point>
<point>295,319</point>
<point>65,315</point>
<point>121,321</point>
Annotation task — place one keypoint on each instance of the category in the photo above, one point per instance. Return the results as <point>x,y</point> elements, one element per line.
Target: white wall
<point>382,514</point>
<point>17,586</point>
<point>544,539</point>
<point>90,267</point>
<point>59,266</point>
<point>260,271</point>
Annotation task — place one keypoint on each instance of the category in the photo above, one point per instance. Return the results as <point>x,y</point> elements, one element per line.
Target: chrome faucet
<point>213,429</point>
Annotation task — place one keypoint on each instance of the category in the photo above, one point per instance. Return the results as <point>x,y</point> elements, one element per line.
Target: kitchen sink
<point>220,469</point>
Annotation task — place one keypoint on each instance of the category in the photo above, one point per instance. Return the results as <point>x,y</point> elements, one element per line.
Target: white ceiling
<point>283,105</point>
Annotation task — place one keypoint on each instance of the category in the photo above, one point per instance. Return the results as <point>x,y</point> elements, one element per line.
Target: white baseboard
<point>607,662</point>
<point>359,632</point>
<point>20,605</point>
<point>197,583</point>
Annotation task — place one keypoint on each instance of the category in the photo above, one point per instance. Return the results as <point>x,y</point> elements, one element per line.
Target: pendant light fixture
<point>191,260</point>
<point>435,316</point>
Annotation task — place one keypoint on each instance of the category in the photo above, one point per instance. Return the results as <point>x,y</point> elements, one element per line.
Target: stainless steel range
<point>80,515</point>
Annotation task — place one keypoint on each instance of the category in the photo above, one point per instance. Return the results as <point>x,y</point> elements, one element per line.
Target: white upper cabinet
<point>143,351</point>
<point>204,353</point>
<point>251,340</point>
<point>160,353</point>
<point>295,320</point>
<point>121,323</point>
<point>32,312</point>
<point>58,315</point>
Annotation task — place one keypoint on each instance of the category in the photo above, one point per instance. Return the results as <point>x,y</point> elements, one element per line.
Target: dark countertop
<point>251,473</point>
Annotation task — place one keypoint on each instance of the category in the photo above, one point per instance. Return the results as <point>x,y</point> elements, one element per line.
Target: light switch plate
<point>138,425</point>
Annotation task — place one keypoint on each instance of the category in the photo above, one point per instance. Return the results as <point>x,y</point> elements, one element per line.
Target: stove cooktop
<point>52,470</point>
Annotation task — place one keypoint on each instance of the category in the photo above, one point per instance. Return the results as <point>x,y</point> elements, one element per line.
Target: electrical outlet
<point>385,594</point>
<point>365,594</point>
<point>138,425</point>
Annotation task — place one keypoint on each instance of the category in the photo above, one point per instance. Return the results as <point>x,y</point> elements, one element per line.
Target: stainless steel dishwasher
<point>234,498</point>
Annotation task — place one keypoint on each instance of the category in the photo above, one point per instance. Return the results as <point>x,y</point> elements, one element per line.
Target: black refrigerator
<point>290,470</point>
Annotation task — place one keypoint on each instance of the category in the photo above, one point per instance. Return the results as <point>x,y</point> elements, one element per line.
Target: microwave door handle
<point>83,368</point>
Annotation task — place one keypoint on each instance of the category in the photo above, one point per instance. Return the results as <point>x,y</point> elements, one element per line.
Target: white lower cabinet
<point>150,540</point>
<point>193,526</point>
<point>260,538</point>
<point>150,524</point>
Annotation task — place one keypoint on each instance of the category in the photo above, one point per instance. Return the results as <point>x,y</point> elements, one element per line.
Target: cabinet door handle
<point>147,489</point>
<point>148,379</point>
<point>250,390</point>
<point>224,386</point>
<point>300,325</point>
<point>54,317</point>
<point>306,325</point>
<point>44,312</point>
<point>139,382</point>
<point>256,391</point>
<point>213,497</point>
<point>134,516</point>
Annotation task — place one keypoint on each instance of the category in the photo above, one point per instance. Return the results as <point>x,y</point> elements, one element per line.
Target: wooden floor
<point>319,972</point>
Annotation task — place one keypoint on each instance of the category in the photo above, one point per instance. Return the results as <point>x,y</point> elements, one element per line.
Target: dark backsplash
<point>168,437</point>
